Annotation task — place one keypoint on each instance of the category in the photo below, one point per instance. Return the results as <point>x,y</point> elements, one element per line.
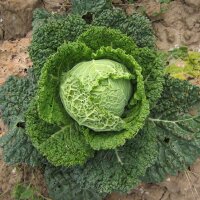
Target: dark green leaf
<point>82,7</point>
<point>176,121</point>
<point>15,96</point>
<point>136,26</point>
<point>62,186</point>
<point>17,147</point>
<point>50,107</point>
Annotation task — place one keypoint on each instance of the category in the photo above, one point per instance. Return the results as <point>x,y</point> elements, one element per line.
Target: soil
<point>16,17</point>
<point>185,186</point>
<point>14,57</point>
<point>175,24</point>
<point>178,24</point>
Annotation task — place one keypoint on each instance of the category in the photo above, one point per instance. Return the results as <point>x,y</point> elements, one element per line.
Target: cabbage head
<point>95,93</point>
<point>92,95</point>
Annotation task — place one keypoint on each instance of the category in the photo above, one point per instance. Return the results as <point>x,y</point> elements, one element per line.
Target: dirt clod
<point>179,26</point>
<point>16,17</point>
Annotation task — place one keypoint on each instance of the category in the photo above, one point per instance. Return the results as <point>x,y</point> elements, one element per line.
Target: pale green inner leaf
<point>96,92</point>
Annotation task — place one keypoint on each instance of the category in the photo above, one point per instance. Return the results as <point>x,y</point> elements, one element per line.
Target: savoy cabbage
<point>71,97</point>
<point>93,111</point>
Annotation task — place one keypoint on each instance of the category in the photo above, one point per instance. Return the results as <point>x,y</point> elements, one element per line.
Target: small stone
<point>194,3</point>
<point>170,36</point>
<point>187,35</point>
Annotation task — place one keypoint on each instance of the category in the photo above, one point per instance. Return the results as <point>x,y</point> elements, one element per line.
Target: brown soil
<point>185,186</point>
<point>14,58</point>
<point>16,17</point>
<point>175,24</point>
<point>179,24</point>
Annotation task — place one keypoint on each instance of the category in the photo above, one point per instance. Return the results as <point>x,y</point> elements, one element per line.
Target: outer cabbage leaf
<point>136,26</point>
<point>82,7</point>
<point>176,120</point>
<point>40,17</point>
<point>119,169</point>
<point>37,129</point>
<point>64,146</point>
<point>49,32</point>
<point>151,62</point>
<point>62,186</point>
<point>15,96</point>
<point>110,170</point>
<point>137,109</point>
<point>17,147</point>
<point>50,107</point>
<point>97,36</point>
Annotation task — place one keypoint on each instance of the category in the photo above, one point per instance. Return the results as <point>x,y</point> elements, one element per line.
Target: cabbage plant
<point>95,94</point>
<point>95,111</point>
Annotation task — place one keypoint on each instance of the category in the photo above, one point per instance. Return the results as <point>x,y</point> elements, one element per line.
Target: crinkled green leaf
<point>17,148</point>
<point>96,37</point>
<point>110,170</point>
<point>64,146</point>
<point>86,91</point>
<point>49,32</point>
<point>176,120</point>
<point>62,186</point>
<point>180,52</point>
<point>136,26</point>
<point>120,169</point>
<point>40,17</point>
<point>137,109</point>
<point>15,95</point>
<point>37,129</point>
<point>50,107</point>
<point>82,7</point>
<point>152,63</point>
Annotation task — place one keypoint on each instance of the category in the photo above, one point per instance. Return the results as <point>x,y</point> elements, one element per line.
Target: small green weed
<point>26,192</point>
<point>162,11</point>
<point>186,66</point>
<point>181,52</point>
<point>22,192</point>
<point>165,1</point>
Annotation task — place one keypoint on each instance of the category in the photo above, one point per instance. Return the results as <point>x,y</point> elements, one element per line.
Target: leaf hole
<point>21,124</point>
<point>88,18</point>
<point>166,140</point>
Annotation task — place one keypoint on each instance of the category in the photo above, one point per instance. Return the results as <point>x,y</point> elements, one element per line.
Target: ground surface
<point>177,24</point>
